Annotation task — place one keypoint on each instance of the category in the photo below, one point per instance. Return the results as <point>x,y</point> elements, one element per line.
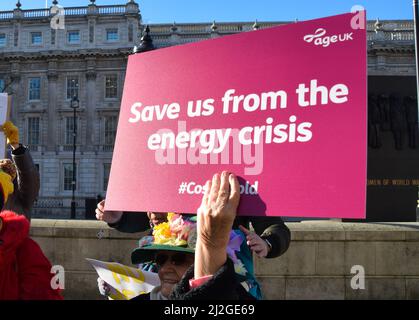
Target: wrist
<point>208,260</point>
<point>213,238</point>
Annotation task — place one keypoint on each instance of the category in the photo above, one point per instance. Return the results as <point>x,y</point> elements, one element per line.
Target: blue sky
<point>167,11</point>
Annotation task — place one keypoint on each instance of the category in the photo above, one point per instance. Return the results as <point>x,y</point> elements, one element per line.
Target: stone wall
<point>316,266</point>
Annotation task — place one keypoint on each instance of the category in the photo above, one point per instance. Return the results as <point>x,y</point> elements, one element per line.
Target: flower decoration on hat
<point>182,232</point>
<point>175,231</point>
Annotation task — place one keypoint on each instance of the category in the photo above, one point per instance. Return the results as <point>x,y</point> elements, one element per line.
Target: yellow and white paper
<point>125,282</point>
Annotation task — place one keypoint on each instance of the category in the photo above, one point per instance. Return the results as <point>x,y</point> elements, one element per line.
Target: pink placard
<point>284,108</point>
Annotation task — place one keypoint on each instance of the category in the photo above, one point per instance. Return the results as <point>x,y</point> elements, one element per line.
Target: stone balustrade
<point>317,265</point>
<point>68,11</point>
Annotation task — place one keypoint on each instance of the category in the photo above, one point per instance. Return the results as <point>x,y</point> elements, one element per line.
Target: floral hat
<point>177,234</point>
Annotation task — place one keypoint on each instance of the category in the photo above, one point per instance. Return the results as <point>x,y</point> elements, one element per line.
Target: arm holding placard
<point>27,182</point>
<point>129,222</point>
<point>213,273</point>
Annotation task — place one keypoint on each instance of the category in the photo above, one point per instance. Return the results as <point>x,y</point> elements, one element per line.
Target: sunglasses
<point>176,259</point>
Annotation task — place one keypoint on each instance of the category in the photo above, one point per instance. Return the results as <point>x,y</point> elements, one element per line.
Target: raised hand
<point>218,209</point>
<point>215,220</point>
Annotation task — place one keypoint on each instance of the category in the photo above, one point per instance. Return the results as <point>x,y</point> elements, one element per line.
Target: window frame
<point>107,131</point>
<point>73,42</point>
<point>63,185</point>
<point>32,43</point>
<point>30,89</point>
<point>68,134</point>
<point>29,131</point>
<point>111,88</point>
<point>5,39</point>
<point>109,31</point>
<point>67,88</point>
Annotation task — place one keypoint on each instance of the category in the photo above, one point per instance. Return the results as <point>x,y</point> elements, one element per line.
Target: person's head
<point>171,248</point>
<point>172,265</point>
<point>157,217</point>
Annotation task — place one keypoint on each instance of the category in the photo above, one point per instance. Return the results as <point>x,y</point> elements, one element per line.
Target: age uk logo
<point>319,38</point>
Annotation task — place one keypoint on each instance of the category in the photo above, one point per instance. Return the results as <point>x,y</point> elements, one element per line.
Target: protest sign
<point>4,107</point>
<point>284,108</point>
<point>125,282</point>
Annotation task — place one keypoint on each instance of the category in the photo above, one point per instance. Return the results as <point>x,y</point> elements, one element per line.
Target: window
<point>69,131</point>
<point>68,176</point>
<point>110,130</point>
<point>111,86</point>
<point>73,37</point>
<point>2,85</point>
<point>72,87</point>
<point>33,131</point>
<point>36,38</point>
<point>34,88</point>
<point>106,173</point>
<point>2,39</point>
<point>112,35</point>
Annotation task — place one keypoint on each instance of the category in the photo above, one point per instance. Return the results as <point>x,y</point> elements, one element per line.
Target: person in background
<point>25,174</point>
<point>25,272</point>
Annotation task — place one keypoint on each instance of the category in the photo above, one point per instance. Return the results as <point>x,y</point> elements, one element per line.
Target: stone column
<point>18,94</point>
<point>52,106</point>
<point>90,103</point>
<point>92,14</point>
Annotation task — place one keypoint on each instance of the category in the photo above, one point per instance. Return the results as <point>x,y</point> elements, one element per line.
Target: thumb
<point>101,205</point>
<point>245,231</point>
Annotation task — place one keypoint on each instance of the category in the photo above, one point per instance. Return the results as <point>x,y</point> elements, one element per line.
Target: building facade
<point>43,68</point>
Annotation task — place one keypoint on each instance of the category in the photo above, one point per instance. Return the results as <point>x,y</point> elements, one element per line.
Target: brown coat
<point>26,183</point>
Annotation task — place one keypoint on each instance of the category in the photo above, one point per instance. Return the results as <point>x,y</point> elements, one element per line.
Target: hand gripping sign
<point>284,108</point>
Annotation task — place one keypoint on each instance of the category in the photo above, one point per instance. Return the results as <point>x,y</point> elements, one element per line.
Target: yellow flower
<point>170,216</point>
<point>162,233</point>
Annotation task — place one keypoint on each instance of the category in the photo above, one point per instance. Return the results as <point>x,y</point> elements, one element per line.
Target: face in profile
<point>172,266</point>
<point>157,217</point>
